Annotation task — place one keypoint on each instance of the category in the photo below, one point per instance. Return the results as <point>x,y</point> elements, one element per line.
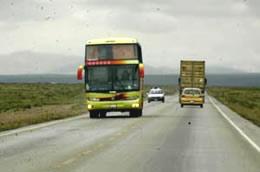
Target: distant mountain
<point>28,62</point>
<point>152,70</point>
<point>222,70</point>
<point>245,80</point>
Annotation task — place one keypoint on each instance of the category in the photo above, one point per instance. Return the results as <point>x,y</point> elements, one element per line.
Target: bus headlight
<point>89,106</point>
<point>135,105</point>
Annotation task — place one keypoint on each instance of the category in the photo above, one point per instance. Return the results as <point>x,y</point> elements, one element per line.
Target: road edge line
<point>42,125</point>
<point>38,126</point>
<point>248,139</point>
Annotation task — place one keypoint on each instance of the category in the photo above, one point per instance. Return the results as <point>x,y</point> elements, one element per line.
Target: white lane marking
<point>86,152</point>
<point>39,126</point>
<point>235,126</point>
<point>69,161</point>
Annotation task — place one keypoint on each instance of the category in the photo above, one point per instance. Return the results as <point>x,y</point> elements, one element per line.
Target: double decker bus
<point>114,74</point>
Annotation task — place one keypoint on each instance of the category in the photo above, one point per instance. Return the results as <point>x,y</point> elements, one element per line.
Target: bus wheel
<point>140,112</point>
<point>93,114</point>
<point>201,105</point>
<point>102,114</point>
<point>136,113</point>
<point>181,105</point>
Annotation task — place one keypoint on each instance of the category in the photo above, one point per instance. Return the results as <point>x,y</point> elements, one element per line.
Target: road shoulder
<point>247,129</point>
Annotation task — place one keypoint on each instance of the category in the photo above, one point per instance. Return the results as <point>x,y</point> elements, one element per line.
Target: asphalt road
<point>166,138</point>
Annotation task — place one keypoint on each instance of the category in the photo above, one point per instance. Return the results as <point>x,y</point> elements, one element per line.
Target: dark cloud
<point>30,10</point>
<point>162,16</point>
<point>151,23</point>
<point>19,10</point>
<point>23,10</point>
<point>198,8</point>
<point>167,29</point>
<point>254,6</point>
<point>28,62</point>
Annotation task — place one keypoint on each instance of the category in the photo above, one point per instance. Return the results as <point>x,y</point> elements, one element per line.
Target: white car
<point>155,94</point>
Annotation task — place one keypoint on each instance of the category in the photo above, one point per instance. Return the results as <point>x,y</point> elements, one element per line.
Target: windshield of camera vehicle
<point>123,49</point>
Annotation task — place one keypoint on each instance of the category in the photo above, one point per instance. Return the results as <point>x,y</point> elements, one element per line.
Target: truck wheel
<point>201,105</point>
<point>93,114</point>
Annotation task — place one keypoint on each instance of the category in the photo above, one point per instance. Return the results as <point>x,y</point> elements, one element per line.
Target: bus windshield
<point>113,78</point>
<point>113,51</point>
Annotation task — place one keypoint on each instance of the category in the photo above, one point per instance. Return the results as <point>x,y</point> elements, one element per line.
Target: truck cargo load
<point>192,75</point>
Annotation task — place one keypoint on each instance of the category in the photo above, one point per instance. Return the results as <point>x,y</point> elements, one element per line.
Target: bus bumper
<point>192,101</point>
<point>125,105</point>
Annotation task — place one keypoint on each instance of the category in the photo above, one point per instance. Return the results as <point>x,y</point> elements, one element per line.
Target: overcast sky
<point>39,36</point>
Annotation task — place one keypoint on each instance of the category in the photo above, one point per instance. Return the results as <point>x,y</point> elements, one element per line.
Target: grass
<point>244,101</point>
<point>25,104</point>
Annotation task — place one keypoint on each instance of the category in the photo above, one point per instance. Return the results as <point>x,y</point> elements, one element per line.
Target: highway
<point>165,138</point>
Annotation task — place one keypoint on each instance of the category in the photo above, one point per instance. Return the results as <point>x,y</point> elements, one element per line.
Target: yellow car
<point>191,96</point>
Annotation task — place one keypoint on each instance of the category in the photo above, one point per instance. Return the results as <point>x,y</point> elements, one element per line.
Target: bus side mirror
<point>80,72</point>
<point>141,70</point>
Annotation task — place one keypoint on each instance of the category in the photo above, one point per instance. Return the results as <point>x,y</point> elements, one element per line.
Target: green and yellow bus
<point>114,76</point>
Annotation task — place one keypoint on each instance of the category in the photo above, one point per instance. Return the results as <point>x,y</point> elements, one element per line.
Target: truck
<point>192,78</point>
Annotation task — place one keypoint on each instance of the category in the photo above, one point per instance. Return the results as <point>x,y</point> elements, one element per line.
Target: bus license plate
<point>113,106</point>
